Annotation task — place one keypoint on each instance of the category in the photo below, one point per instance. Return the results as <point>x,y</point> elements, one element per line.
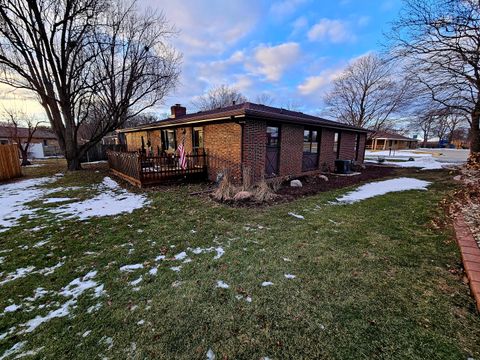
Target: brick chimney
<point>178,111</point>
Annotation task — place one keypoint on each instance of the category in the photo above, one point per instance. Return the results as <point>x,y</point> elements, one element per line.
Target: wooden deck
<point>143,170</point>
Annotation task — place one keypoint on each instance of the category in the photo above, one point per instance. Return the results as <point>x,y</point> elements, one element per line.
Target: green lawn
<point>374,279</point>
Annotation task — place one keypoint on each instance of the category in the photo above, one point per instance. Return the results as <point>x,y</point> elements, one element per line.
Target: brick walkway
<point>470,256</point>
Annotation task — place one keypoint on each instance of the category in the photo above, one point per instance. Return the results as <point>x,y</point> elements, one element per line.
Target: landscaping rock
<point>242,196</point>
<point>296,183</point>
<point>323,177</point>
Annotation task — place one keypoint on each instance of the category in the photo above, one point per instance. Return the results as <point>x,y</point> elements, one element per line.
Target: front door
<point>272,151</point>
<point>310,150</point>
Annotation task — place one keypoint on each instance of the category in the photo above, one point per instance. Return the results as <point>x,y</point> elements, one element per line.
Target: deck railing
<point>144,170</point>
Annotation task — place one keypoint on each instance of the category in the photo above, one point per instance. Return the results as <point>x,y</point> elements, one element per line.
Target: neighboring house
<point>44,141</point>
<point>382,140</point>
<point>269,141</point>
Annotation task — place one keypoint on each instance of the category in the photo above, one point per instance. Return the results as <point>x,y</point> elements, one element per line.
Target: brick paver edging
<point>470,256</point>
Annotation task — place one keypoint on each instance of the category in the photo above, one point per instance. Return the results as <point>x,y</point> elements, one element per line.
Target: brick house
<point>270,141</point>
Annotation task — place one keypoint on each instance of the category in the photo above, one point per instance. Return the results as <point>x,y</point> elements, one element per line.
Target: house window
<point>45,142</point>
<point>197,140</point>
<point>273,136</point>
<point>169,142</point>
<point>336,144</point>
<point>310,142</point>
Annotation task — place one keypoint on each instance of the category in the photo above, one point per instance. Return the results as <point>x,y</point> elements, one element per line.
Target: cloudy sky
<point>289,49</point>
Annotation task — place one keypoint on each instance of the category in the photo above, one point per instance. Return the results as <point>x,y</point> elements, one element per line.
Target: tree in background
<point>264,99</point>
<point>440,39</point>
<point>368,93</point>
<point>14,119</point>
<point>99,62</point>
<point>218,97</point>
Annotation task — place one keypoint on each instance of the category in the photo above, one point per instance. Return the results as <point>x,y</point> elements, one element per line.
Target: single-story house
<point>43,143</point>
<point>383,140</point>
<point>269,141</point>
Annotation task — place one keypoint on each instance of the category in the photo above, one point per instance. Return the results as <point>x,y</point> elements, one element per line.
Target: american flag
<point>181,152</point>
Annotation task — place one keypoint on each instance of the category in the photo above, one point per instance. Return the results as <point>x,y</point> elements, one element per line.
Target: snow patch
<point>267,283</point>
<point>289,276</point>
<point>222,285</point>
<point>296,216</point>
<point>129,268</point>
<point>378,188</point>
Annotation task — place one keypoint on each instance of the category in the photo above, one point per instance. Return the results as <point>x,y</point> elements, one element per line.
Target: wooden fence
<point>9,162</point>
<point>144,170</point>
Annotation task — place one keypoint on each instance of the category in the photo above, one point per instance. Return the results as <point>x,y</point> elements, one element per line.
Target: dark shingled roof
<point>43,133</point>
<point>250,110</point>
<point>390,136</point>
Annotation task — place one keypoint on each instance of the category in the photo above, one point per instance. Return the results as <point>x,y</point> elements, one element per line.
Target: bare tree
<point>441,41</point>
<point>218,97</point>
<point>96,61</point>
<point>22,135</point>
<point>264,99</point>
<point>368,93</point>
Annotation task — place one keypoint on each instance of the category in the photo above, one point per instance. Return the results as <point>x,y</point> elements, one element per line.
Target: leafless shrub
<point>263,192</point>
<point>276,184</point>
<point>226,190</point>
<point>246,178</point>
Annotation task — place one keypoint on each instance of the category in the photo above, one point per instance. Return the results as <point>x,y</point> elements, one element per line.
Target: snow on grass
<point>129,268</point>
<point>12,308</point>
<point>221,284</point>
<point>267,283</point>
<point>72,291</point>
<point>40,243</point>
<point>181,256</point>
<point>136,281</point>
<point>112,200</point>
<point>56,200</point>
<point>425,163</point>
<point>176,268</point>
<point>17,274</point>
<point>296,216</point>
<point>289,276</point>
<point>15,196</point>
<point>378,188</point>
<point>153,271</point>
<point>210,355</point>
<point>13,350</point>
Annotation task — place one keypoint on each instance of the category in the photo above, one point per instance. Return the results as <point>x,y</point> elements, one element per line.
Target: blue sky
<point>291,50</point>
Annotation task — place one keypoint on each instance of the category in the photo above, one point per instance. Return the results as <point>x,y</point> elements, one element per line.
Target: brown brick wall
<point>134,140</point>
<point>347,145</point>
<point>254,132</point>
<point>327,156</point>
<point>223,143</point>
<point>291,149</point>
<point>361,148</point>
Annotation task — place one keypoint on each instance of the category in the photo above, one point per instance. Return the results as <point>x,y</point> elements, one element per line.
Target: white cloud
<point>273,61</point>
<point>206,27</point>
<point>285,8</point>
<point>315,84</point>
<point>331,30</point>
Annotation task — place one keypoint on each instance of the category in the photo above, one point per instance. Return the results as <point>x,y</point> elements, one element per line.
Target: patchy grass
<point>374,279</point>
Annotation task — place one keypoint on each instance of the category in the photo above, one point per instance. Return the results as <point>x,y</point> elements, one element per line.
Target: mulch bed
<point>314,184</point>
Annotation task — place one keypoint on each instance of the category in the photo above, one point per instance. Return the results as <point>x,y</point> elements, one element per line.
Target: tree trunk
<point>475,133</point>
<point>25,161</point>
<point>74,164</point>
